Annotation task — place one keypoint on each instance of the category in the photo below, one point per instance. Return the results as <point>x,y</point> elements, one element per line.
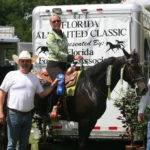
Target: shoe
<point>54,114</point>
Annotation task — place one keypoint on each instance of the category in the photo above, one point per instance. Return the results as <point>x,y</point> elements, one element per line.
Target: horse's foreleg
<point>85,127</point>
<point>108,50</point>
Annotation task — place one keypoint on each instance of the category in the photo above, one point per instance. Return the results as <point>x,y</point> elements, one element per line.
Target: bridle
<point>138,79</point>
<point>130,73</point>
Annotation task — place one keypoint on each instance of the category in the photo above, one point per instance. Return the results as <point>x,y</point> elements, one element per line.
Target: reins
<point>137,79</point>
<point>121,76</point>
<point>108,78</point>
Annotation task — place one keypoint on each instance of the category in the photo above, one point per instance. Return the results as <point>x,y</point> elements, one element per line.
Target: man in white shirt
<point>21,86</point>
<point>144,102</point>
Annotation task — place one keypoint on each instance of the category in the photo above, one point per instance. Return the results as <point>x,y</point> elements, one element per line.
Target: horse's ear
<point>135,56</point>
<point>126,53</point>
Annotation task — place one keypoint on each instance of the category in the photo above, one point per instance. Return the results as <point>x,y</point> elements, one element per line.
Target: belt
<point>20,112</point>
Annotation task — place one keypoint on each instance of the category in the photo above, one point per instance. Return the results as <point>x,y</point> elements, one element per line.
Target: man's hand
<point>2,117</point>
<point>2,99</point>
<point>78,57</point>
<point>140,117</point>
<point>54,83</point>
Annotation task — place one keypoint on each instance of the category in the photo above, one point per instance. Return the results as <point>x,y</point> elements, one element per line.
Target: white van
<point>95,31</point>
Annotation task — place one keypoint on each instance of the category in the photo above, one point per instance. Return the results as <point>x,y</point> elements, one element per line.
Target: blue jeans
<point>148,135</point>
<point>18,130</point>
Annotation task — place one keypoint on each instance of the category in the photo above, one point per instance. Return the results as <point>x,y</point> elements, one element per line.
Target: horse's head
<point>133,73</point>
<point>107,43</point>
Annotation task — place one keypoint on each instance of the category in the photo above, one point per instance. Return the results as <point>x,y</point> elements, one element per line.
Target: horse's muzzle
<point>142,91</point>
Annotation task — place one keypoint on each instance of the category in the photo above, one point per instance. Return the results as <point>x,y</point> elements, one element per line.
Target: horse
<point>113,46</point>
<point>43,49</point>
<point>89,101</point>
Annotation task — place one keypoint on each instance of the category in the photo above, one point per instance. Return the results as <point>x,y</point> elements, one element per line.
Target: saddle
<point>71,77</point>
<point>43,77</point>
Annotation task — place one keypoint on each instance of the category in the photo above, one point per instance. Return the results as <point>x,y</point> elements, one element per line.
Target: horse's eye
<point>139,65</point>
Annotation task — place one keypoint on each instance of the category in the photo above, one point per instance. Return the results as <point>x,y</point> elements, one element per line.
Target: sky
<point>142,2</point>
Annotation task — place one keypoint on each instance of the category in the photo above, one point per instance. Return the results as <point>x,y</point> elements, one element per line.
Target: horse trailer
<point>95,31</point>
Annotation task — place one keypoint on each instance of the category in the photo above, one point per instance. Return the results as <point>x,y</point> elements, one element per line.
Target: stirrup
<point>54,114</point>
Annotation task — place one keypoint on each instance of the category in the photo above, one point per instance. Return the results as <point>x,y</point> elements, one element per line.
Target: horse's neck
<point>116,71</point>
<point>98,73</point>
<point>110,44</point>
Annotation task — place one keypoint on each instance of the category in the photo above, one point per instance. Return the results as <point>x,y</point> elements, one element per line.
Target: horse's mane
<point>87,78</point>
<point>90,78</point>
<point>100,67</point>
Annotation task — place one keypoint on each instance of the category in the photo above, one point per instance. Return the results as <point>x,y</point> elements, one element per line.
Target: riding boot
<point>54,113</point>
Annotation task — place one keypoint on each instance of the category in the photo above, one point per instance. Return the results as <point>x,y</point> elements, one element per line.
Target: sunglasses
<point>56,21</point>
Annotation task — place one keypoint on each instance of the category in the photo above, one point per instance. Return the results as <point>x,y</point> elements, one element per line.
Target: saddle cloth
<point>70,80</point>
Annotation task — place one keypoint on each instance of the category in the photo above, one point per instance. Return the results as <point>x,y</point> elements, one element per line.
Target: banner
<point>93,38</point>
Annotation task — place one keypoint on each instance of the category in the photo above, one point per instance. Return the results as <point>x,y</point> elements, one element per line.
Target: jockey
<point>58,60</point>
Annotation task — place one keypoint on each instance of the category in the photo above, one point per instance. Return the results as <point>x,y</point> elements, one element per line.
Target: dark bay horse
<point>89,102</point>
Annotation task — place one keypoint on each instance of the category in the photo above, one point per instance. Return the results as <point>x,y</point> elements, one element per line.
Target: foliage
<point>128,106</point>
<point>18,13</point>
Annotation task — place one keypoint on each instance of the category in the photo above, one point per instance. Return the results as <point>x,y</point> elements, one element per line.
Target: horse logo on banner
<point>119,45</point>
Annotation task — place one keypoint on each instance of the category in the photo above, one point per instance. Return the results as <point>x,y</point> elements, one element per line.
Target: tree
<point>18,13</point>
<point>128,105</point>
